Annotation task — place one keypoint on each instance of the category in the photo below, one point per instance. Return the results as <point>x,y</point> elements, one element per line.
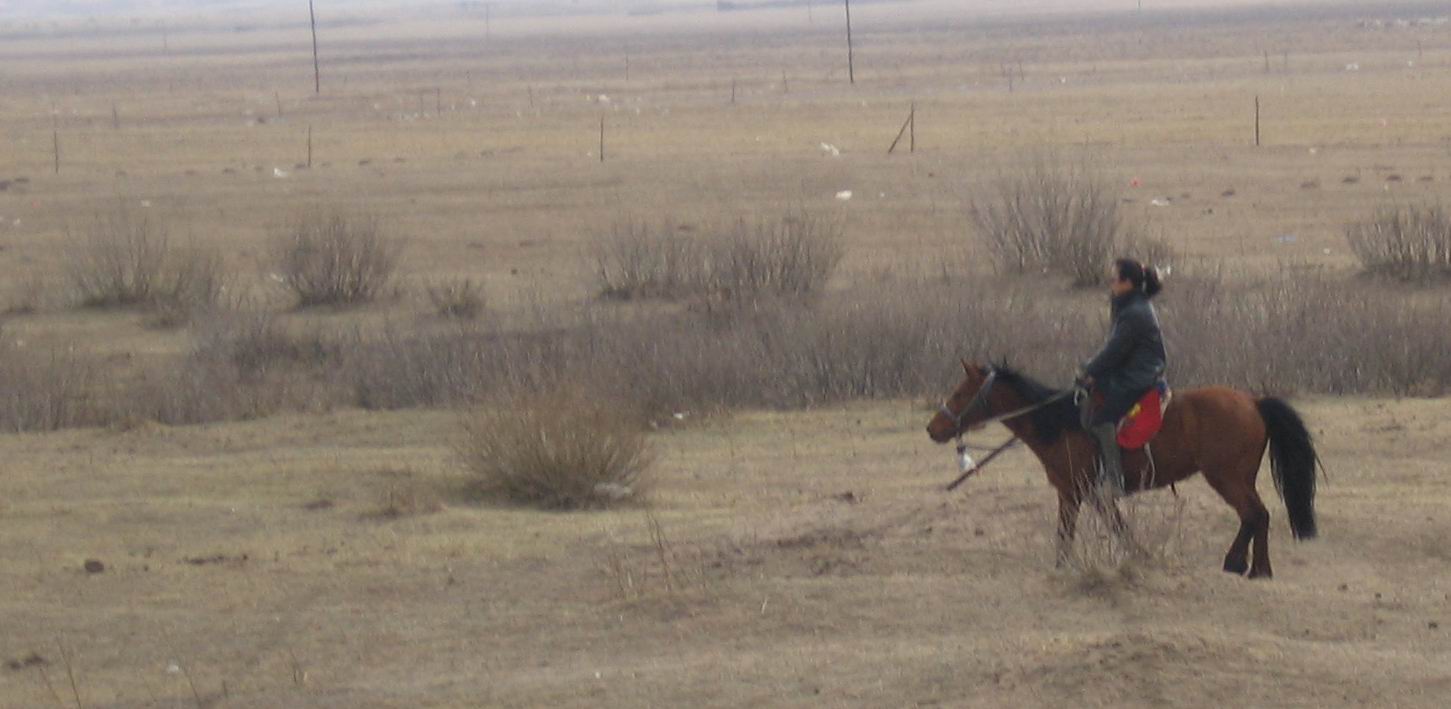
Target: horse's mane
<point>1051,421</point>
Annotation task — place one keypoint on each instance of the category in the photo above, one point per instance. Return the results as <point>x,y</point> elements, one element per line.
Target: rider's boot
<point>1111,483</point>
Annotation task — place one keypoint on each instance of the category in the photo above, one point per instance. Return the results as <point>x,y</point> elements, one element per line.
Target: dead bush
<point>1407,242</point>
<point>124,259</point>
<point>559,449</point>
<point>1104,556</point>
<point>256,342</point>
<point>793,256</point>
<point>244,364</point>
<point>336,258</point>
<point>636,260</point>
<point>1299,332</point>
<point>458,298</point>
<point>1052,217</point>
<point>48,390</point>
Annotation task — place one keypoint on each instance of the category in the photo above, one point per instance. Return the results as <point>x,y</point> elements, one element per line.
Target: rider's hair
<point>1145,278</point>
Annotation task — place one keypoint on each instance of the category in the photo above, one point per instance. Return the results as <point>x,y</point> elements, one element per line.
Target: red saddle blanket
<point>1143,422</point>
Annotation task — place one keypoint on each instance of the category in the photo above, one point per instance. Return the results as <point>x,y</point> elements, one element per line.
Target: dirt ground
<point>800,559</point>
<point>785,559</point>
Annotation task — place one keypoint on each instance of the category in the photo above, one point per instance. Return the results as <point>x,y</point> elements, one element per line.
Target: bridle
<point>980,402</point>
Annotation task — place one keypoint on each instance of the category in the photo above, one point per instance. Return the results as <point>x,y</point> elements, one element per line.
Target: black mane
<point>1051,421</point>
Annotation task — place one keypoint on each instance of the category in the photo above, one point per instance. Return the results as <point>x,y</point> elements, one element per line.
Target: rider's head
<point>1128,275</point>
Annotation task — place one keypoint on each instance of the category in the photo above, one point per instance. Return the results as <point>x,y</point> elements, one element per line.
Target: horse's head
<point>967,407</point>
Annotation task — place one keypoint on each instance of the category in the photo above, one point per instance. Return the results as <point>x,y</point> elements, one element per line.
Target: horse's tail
<point>1293,462</point>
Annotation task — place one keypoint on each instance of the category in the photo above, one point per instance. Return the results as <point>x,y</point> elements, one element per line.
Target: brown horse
<point>1220,432</point>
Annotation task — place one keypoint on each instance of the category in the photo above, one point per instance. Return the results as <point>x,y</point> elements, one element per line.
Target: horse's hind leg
<point>1254,522</point>
<point>1260,568</point>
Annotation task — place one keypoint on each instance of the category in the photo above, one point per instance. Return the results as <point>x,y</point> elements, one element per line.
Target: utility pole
<point>316,69</point>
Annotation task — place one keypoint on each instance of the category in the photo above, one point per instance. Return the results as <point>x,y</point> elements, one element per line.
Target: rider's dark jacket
<point>1132,361</point>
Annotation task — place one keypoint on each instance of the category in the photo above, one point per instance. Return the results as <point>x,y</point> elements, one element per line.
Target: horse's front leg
<point>1068,506</point>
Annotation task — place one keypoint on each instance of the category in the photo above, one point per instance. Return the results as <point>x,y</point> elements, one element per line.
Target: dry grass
<point>461,299</point>
<point>1308,334</point>
<point>405,494</point>
<point>794,256</point>
<point>504,605</point>
<point>942,587</point>
<point>657,572</point>
<point>561,449</point>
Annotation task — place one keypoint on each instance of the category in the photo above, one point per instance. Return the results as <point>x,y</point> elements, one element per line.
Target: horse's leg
<point>1260,567</point>
<point>1237,494</point>
<point>1068,506</point>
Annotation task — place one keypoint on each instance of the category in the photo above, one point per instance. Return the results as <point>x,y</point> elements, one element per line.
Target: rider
<point>1130,363</point>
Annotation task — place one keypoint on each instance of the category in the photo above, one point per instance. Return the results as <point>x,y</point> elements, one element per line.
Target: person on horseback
<point>1131,363</point>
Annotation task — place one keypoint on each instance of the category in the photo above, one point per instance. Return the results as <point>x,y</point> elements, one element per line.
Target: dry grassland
<point>801,558</point>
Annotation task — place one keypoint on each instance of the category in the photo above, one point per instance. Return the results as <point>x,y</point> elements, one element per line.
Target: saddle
<point>1143,421</point>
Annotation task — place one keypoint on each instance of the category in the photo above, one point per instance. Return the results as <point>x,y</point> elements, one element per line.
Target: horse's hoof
<point>1235,566</point>
<point>1266,574</point>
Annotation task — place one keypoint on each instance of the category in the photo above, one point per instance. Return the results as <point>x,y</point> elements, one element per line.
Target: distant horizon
<point>32,10</point>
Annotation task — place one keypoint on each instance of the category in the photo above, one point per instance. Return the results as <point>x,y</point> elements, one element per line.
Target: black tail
<point>1293,461</point>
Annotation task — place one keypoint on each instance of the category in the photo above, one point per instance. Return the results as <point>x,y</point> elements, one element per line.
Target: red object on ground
<point>1143,421</point>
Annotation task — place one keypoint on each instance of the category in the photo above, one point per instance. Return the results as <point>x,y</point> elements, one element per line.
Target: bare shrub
<point>1306,333</point>
<point>335,258</point>
<point>1104,555</point>
<point>560,449</point>
<point>243,364</point>
<point>459,298</point>
<point>196,282</point>
<point>256,342</point>
<point>637,260</point>
<point>124,259</point>
<point>1052,217</point>
<point>48,390</point>
<point>793,256</point>
<point>1406,242</point>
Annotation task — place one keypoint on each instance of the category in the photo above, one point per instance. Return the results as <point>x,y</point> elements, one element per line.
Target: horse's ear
<point>966,368</point>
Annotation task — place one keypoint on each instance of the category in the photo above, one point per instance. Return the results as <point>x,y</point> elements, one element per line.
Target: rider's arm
<point>1116,350</point>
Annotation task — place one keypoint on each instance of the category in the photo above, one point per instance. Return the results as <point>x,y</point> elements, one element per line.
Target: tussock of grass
<point>461,299</point>
<point>557,450</point>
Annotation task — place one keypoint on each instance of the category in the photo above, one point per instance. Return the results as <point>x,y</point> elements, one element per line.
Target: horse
<point>1220,432</point>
